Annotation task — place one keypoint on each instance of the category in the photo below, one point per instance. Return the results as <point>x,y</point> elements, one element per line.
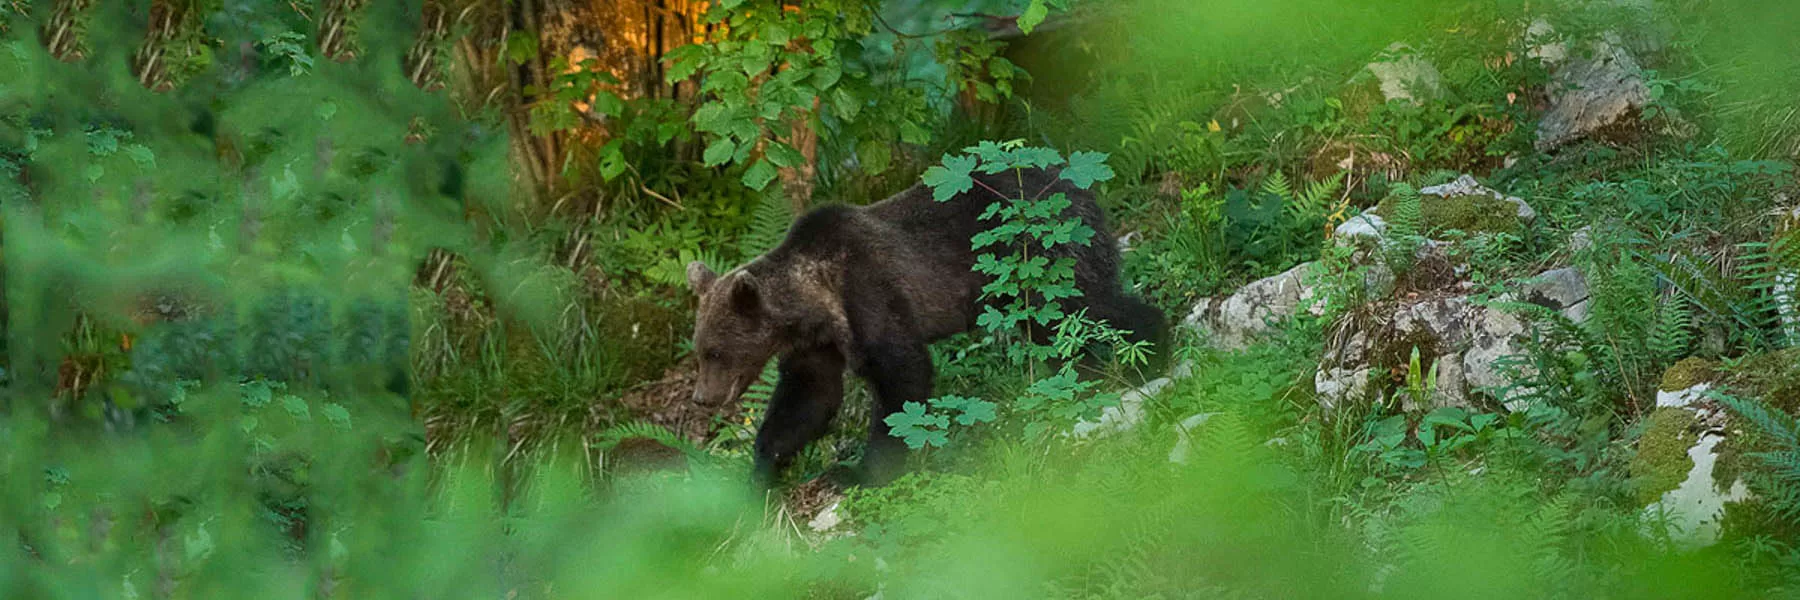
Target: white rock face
<point>1471,340</point>
<point>1693,509</point>
<point>1235,321</point>
<point>826,520</point>
<point>1336,387</point>
<point>1184,437</point>
<point>1467,185</point>
<point>1544,44</point>
<point>1592,90</point>
<point>1366,226</point>
<point>1684,398</point>
<point>1406,76</point>
<point>1124,417</point>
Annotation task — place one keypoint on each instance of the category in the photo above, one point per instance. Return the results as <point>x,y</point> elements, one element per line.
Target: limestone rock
<point>1467,185</point>
<point>1235,321</point>
<point>1334,387</point>
<point>1406,76</point>
<point>1593,90</point>
<point>1124,417</point>
<point>1469,343</point>
<point>1692,509</point>
<point>1184,437</point>
<point>1366,226</point>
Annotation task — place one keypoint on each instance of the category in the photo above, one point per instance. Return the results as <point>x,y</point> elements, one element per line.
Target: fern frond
<point>1725,298</point>
<point>1673,335</point>
<point>611,437</point>
<point>1277,185</point>
<point>764,387</point>
<point>1439,177</point>
<point>769,223</point>
<point>1779,481</point>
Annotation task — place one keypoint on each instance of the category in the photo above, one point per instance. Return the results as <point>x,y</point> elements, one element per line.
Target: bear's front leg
<point>808,392</point>
<point>899,372</point>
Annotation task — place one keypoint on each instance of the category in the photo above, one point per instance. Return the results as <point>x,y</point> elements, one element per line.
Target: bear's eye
<point>714,355</point>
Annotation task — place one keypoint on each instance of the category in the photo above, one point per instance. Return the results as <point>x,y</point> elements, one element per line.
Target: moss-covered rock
<point>1689,372</point>
<point>1662,462</point>
<point>1472,213</point>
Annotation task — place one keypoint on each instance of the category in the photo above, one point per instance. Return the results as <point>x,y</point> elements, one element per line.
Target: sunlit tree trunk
<point>337,29</point>
<point>65,33</point>
<point>169,20</point>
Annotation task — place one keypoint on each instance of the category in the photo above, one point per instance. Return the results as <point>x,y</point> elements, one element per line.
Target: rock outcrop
<point>1595,87</point>
<point>1678,466</point>
<point>1469,342</point>
<point>1235,321</point>
<point>1406,76</point>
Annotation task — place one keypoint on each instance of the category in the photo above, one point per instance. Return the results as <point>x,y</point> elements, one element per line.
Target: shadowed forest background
<point>353,298</point>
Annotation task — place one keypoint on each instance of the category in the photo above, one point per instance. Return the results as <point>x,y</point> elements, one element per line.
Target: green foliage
<point>1779,479</point>
<point>1028,283</point>
<point>1406,232</point>
<point>767,67</point>
<point>921,428</point>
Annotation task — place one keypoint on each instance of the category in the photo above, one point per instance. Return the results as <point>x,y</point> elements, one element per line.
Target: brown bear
<point>868,289</point>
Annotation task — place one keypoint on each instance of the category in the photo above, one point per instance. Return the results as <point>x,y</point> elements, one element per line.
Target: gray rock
<point>1582,239</point>
<point>1544,44</point>
<point>1184,436</point>
<point>1124,417</point>
<point>1590,92</point>
<point>1406,76</point>
<point>1334,387</point>
<point>1236,320</point>
<point>1467,185</point>
<point>1495,337</point>
<point>1564,290</point>
<point>1366,226</point>
<point>1471,342</point>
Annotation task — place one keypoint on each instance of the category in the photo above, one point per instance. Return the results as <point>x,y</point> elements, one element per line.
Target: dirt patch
<point>805,501</point>
<point>669,402</point>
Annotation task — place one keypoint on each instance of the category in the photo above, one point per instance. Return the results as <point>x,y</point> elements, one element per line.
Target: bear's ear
<point>746,299</point>
<point>700,277</point>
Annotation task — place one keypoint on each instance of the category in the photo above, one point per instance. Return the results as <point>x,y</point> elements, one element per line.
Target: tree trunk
<point>337,29</point>
<point>65,35</point>
<point>422,59</point>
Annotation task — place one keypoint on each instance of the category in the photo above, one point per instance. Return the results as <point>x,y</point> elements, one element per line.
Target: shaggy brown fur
<point>868,288</point>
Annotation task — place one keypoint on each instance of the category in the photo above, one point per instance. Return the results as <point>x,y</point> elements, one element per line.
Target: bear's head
<point>734,333</point>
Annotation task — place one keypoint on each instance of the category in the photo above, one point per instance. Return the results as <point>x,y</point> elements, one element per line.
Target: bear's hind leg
<point>1140,322</point>
<point>807,396</point>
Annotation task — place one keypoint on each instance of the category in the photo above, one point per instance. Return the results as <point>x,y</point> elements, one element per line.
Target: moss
<point>1688,373</point>
<point>1732,453</point>
<point>1472,213</point>
<point>1756,518</point>
<point>1773,377</point>
<point>1662,462</point>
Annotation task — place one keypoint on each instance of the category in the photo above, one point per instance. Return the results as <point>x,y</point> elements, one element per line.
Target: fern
<point>764,387</point>
<point>1277,185</point>
<point>1734,300</point>
<point>611,437</point>
<point>1779,482</point>
<point>1405,229</point>
<point>1771,273</point>
<point>1671,339</point>
<point>768,225</point>
<point>1440,177</point>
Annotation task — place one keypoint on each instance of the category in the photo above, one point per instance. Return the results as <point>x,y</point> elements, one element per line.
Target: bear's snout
<point>718,389</point>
